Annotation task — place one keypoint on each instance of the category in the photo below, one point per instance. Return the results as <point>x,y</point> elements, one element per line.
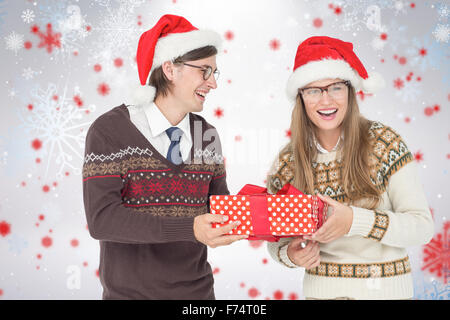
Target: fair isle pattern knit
<point>380,226</point>
<point>362,270</point>
<point>118,155</point>
<point>152,185</point>
<point>389,155</point>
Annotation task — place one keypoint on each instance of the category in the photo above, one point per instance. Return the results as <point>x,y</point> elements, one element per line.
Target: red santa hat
<point>324,57</point>
<point>170,38</point>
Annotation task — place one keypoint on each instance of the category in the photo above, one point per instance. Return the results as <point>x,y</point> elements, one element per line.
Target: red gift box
<point>270,217</point>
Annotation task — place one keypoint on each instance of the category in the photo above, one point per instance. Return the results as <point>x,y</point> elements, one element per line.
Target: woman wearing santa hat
<point>362,169</point>
<point>148,173</point>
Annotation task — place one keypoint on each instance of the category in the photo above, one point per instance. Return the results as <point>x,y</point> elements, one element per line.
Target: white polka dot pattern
<point>287,214</point>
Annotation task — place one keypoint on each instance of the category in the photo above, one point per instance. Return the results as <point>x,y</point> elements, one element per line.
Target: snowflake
<point>68,20</point>
<point>443,11</point>
<point>427,53</point>
<point>28,16</point>
<point>218,112</point>
<point>17,244</point>
<point>437,254</point>
<point>51,11</point>
<point>433,290</point>
<point>397,34</point>
<point>400,7</point>
<point>118,32</point>
<point>49,39</point>
<point>442,33</point>
<point>274,44</point>
<point>398,83</point>
<point>418,156</point>
<point>54,120</point>
<point>409,91</point>
<point>14,42</point>
<point>12,93</point>
<point>28,73</point>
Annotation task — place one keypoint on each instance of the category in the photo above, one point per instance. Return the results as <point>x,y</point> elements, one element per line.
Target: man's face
<point>189,88</point>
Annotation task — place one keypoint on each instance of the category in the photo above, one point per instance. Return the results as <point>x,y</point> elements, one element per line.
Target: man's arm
<point>108,219</point>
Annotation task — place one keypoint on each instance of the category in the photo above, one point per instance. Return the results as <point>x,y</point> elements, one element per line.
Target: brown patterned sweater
<point>141,207</point>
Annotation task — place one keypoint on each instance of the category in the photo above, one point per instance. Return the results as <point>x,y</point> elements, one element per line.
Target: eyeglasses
<point>335,90</point>
<point>207,71</point>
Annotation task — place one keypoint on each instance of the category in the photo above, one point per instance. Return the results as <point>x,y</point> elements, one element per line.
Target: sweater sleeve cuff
<point>363,220</point>
<point>284,258</point>
<point>179,229</point>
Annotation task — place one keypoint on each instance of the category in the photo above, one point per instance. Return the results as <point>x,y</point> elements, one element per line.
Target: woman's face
<point>326,109</point>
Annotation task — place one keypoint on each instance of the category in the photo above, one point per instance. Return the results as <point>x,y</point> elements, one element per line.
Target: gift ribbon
<point>258,203</point>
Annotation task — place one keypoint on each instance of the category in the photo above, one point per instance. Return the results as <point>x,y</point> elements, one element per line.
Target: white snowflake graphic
<point>443,12</point>
<point>118,32</point>
<point>17,244</point>
<point>400,7</point>
<point>28,16</point>
<point>397,35</point>
<point>426,53</point>
<point>14,42</point>
<point>58,124</point>
<point>430,290</point>
<point>410,92</point>
<point>28,73</point>
<point>442,33</point>
<point>12,93</point>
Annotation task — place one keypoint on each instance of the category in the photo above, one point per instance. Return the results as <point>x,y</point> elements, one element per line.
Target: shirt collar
<point>322,149</point>
<point>158,123</point>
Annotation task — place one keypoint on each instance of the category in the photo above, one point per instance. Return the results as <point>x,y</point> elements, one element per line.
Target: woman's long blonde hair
<point>355,152</point>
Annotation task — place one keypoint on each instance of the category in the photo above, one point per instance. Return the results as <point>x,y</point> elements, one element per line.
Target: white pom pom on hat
<point>324,57</point>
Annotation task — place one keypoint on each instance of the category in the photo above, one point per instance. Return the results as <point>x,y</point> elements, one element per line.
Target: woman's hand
<point>307,257</point>
<point>336,225</point>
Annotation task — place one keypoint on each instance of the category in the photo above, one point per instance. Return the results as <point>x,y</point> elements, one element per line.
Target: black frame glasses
<point>207,71</point>
<point>322,89</point>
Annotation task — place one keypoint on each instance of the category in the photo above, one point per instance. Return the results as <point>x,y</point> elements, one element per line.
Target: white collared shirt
<point>322,149</point>
<point>153,125</point>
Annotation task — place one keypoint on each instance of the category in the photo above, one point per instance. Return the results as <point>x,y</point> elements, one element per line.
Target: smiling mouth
<point>201,94</point>
<point>328,112</point>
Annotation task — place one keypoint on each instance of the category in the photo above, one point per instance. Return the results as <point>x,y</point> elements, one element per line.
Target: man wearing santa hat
<point>148,173</point>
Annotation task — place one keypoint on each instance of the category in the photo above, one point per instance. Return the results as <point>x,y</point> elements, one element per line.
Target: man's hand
<point>307,257</point>
<point>215,237</point>
<point>336,225</point>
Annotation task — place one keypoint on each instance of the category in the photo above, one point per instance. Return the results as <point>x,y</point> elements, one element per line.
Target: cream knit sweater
<point>370,262</point>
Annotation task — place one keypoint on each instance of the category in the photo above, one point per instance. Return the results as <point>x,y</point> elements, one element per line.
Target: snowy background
<point>64,63</point>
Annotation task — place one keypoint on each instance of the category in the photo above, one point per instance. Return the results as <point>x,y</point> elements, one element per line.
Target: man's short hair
<point>159,80</point>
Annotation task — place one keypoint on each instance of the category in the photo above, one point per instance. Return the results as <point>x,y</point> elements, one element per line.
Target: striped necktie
<point>174,153</point>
